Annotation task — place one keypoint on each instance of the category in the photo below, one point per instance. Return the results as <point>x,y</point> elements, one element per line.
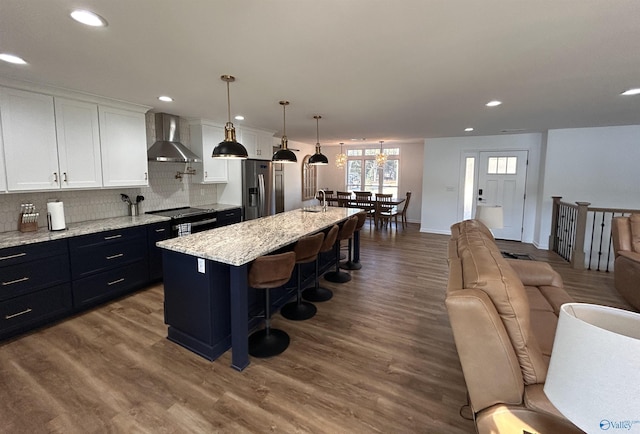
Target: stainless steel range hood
<point>168,148</point>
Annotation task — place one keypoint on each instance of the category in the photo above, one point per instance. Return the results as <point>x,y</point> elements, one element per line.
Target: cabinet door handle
<point>116,281</point>
<point>160,230</point>
<point>27,310</point>
<point>55,177</point>
<point>17,255</point>
<point>206,174</point>
<point>11,282</point>
<point>64,176</point>
<point>119,255</point>
<point>113,237</point>
<point>146,176</point>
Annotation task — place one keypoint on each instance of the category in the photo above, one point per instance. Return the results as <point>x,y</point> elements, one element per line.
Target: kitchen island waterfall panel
<point>205,278</point>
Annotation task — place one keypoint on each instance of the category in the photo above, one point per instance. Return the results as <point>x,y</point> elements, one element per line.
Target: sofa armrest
<point>535,273</point>
<point>509,420</point>
<point>634,256</point>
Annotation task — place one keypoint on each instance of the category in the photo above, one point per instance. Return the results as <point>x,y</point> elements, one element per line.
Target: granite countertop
<point>217,206</point>
<point>17,238</point>
<point>241,243</point>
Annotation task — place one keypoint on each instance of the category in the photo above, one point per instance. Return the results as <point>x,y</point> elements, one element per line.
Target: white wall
<point>597,165</point>
<point>441,193</point>
<point>411,156</point>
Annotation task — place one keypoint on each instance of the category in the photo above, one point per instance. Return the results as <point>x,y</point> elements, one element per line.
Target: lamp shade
<point>284,155</point>
<point>594,373</point>
<point>491,216</point>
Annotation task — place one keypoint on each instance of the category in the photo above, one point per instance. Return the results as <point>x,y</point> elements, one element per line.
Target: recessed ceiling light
<point>239,118</point>
<point>635,91</point>
<point>468,129</point>
<point>360,140</point>
<point>494,103</point>
<point>10,58</point>
<point>88,18</point>
<point>165,98</point>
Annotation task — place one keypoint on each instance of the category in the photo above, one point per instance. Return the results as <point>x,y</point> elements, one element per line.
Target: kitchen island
<point>205,278</point>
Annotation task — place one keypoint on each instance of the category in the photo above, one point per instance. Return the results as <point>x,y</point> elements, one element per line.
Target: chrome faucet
<point>324,199</point>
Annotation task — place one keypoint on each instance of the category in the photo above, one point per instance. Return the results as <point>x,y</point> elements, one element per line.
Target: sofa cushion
<point>634,221</point>
<point>484,268</point>
<point>634,256</point>
<point>537,301</point>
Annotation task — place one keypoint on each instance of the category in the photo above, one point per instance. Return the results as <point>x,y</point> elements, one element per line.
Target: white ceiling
<point>393,70</point>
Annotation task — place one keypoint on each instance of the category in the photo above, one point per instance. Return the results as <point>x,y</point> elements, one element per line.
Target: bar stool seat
<point>306,250</point>
<point>351,264</point>
<point>345,233</point>
<point>266,272</point>
<point>317,293</point>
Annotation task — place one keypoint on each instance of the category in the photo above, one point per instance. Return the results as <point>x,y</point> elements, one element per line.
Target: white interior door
<point>502,176</point>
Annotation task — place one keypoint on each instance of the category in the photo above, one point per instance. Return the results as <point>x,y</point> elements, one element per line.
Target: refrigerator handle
<point>261,195</point>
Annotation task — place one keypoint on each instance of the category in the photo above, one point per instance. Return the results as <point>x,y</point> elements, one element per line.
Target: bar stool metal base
<point>350,265</point>
<point>337,277</point>
<point>317,294</point>
<point>298,311</point>
<point>268,343</point>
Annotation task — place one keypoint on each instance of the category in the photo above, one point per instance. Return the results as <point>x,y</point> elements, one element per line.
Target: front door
<point>502,176</point>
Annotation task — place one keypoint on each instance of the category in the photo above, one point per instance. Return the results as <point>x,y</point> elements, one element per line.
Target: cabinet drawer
<point>109,283</point>
<point>97,258</point>
<point>33,275</point>
<point>106,238</point>
<point>26,311</point>
<point>29,252</point>
<point>229,216</point>
<point>156,232</point>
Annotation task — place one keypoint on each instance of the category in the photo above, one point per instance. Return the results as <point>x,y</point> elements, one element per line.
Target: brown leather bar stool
<point>317,293</point>
<point>355,264</point>
<point>345,233</point>
<point>306,250</point>
<point>268,272</point>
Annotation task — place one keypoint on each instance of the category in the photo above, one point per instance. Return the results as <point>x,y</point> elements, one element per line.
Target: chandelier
<point>341,158</point>
<point>381,158</point>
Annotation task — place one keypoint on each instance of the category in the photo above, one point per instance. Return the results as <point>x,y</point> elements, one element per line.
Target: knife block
<point>28,226</point>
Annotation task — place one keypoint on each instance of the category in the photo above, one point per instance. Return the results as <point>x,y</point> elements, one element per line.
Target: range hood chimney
<point>168,148</point>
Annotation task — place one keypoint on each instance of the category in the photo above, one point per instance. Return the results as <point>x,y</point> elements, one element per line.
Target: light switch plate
<point>201,265</point>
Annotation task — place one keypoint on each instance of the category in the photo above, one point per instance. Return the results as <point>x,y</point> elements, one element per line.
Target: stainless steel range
<point>188,220</point>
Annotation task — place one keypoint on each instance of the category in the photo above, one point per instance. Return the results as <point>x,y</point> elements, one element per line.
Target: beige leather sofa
<point>503,314</point>
<point>626,245</point>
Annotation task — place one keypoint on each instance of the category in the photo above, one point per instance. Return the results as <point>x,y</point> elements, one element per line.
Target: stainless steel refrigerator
<point>258,192</point>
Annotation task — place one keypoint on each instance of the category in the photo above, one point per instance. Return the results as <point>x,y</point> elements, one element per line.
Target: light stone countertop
<point>17,238</point>
<point>241,243</point>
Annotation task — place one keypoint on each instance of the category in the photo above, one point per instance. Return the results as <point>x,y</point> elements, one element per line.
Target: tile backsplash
<point>164,191</point>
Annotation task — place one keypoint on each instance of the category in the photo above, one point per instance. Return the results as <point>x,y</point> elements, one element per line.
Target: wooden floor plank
<point>377,358</point>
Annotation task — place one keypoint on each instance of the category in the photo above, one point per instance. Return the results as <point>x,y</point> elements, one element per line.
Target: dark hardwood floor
<point>377,358</point>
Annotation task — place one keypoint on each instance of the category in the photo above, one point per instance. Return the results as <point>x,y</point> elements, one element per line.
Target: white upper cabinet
<point>124,147</point>
<point>249,140</point>
<point>78,143</point>
<point>266,141</point>
<point>204,137</point>
<point>3,173</point>
<point>29,136</point>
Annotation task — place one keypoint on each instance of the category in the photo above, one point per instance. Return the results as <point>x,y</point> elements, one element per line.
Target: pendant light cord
<point>228,104</point>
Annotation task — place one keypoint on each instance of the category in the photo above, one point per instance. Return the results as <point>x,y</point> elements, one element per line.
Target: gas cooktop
<point>176,213</point>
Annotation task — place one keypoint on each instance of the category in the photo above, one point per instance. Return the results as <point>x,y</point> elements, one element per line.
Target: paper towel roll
<point>56,216</point>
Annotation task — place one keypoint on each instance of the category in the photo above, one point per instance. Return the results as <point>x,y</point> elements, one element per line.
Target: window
<point>469,176</point>
<point>363,174</point>
<point>502,165</point>
<point>309,179</point>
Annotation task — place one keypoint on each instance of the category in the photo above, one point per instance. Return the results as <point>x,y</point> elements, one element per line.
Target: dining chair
<point>343,198</point>
<point>383,208</point>
<point>402,213</point>
<point>364,202</point>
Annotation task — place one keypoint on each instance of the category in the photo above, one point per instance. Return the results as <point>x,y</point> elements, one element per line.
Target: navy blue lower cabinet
<point>229,217</point>
<point>22,313</point>
<point>197,308</point>
<point>109,284</point>
<point>156,232</point>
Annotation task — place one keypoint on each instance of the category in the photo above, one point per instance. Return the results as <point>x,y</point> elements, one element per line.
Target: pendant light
<point>318,159</point>
<point>381,158</point>
<point>341,158</point>
<point>284,155</point>
<point>229,148</point>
